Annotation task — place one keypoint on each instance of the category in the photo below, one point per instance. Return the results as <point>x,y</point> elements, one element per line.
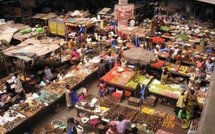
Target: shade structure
<point>157,39</point>
<point>31,48</point>
<point>139,56</point>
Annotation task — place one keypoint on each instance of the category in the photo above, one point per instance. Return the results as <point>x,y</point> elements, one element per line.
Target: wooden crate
<point>150,101</point>
<point>134,101</point>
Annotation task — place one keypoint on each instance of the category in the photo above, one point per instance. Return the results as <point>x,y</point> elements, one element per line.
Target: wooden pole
<point>60,55</point>
<point>5,64</point>
<point>23,70</point>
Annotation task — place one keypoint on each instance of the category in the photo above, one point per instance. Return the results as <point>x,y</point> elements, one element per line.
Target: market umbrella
<point>157,39</point>
<point>183,37</point>
<point>139,56</point>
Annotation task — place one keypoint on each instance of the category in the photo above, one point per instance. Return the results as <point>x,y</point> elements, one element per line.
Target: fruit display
<point>169,121</point>
<point>112,115</point>
<point>154,123</point>
<point>160,114</point>
<point>139,78</point>
<point>132,84</point>
<point>147,110</point>
<point>129,113</point>
<point>140,117</point>
<point>170,117</point>
<point>183,69</point>
<point>168,124</point>
<point>126,112</point>
<point>172,66</point>
<point>29,108</point>
<point>165,90</point>
<point>150,111</point>
<point>107,103</point>
<point>119,78</point>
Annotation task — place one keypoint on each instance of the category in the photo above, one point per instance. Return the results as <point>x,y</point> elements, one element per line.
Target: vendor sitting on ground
<point>75,57</point>
<point>165,76</point>
<point>184,115</point>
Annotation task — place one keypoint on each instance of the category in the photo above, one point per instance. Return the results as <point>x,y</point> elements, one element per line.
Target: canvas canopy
<point>31,48</point>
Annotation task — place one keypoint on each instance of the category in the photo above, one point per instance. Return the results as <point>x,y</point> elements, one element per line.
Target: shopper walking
<point>110,61</point>
<point>102,88</point>
<point>67,95</point>
<point>73,97</point>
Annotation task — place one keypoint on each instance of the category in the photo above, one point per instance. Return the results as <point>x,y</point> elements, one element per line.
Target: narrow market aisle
<point>62,114</point>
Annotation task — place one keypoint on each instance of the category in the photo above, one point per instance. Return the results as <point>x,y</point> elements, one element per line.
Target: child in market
<point>71,126</point>
<point>102,88</point>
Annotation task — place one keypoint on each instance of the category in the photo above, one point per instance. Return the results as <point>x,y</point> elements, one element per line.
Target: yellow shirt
<point>181,99</point>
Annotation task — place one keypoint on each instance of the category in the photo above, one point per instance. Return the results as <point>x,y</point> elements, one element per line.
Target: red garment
<point>75,54</point>
<point>116,64</point>
<point>102,87</point>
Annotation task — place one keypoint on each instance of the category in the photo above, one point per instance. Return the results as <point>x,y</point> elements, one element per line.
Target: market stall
<point>28,33</point>
<point>139,79</point>
<point>8,30</point>
<point>95,111</point>
<point>78,23</point>
<point>119,77</point>
<point>30,48</point>
<point>39,104</point>
<point>170,92</point>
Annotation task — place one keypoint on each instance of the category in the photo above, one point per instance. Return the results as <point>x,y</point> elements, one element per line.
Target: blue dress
<point>74,98</point>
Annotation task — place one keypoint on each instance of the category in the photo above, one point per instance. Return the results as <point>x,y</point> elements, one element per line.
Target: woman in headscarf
<point>191,103</point>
